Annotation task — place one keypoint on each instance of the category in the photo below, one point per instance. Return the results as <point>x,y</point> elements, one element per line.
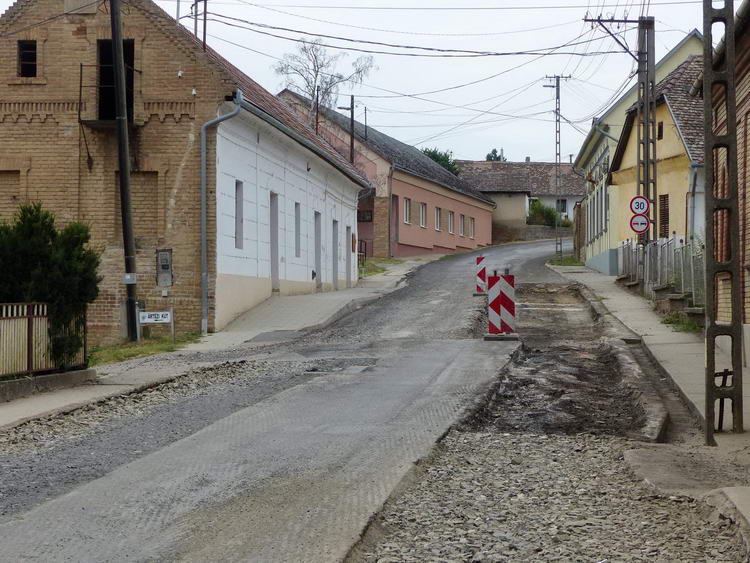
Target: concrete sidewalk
<point>680,354</point>
<point>274,320</point>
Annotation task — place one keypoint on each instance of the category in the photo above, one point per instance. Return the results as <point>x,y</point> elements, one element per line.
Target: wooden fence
<point>24,340</point>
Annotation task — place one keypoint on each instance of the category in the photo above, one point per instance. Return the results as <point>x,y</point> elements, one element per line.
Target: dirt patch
<point>564,379</point>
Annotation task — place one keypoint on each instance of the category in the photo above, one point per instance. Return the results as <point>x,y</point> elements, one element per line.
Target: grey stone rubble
<point>531,497</point>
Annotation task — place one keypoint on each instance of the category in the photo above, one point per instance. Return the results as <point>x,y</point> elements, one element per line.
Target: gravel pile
<point>531,497</point>
<point>46,432</point>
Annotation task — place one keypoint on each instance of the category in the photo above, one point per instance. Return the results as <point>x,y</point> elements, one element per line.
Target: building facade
<point>514,185</point>
<point>415,205</point>
<point>680,208</point>
<point>601,206</point>
<point>268,176</point>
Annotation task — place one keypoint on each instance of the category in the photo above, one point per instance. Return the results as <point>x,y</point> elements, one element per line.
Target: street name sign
<point>639,205</point>
<point>155,317</point>
<point>639,223</point>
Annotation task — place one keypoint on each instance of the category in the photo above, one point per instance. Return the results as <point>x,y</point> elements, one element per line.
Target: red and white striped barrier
<point>481,276</point>
<point>502,304</point>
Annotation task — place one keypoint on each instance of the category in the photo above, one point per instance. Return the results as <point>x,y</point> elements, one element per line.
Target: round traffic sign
<point>639,223</point>
<point>639,205</point>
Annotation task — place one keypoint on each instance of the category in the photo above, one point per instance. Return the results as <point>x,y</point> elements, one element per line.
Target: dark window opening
<point>660,130</point>
<point>27,58</point>
<point>364,215</point>
<point>107,107</point>
<point>562,205</point>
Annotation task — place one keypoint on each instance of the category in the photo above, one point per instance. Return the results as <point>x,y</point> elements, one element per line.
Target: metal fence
<point>663,263</point>
<point>24,340</point>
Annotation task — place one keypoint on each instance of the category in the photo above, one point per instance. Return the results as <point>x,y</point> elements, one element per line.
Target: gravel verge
<point>533,497</point>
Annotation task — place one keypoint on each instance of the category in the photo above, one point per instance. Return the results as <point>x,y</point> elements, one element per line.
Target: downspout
<point>603,132</point>
<point>204,207</point>
<point>693,188</point>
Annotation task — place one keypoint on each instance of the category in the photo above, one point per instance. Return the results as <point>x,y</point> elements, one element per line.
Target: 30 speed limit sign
<point>639,205</point>
<point>639,223</point>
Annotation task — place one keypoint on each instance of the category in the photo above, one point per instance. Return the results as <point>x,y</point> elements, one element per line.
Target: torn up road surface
<point>294,476</point>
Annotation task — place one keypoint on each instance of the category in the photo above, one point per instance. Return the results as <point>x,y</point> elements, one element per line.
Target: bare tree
<point>313,69</point>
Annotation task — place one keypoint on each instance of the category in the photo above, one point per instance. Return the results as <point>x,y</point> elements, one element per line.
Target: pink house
<point>415,206</point>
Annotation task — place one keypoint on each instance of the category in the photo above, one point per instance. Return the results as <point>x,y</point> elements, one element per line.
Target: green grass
<point>567,260</point>
<point>147,347</point>
<point>681,322</point>
<point>377,260</point>
<point>370,268</point>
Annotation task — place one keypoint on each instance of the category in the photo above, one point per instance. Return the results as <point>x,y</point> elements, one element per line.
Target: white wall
<point>265,160</point>
<point>551,201</point>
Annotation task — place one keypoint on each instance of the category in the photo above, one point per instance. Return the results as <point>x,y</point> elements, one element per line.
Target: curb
<point>31,385</point>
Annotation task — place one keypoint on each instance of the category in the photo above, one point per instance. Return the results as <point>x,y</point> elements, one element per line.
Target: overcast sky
<point>430,120</point>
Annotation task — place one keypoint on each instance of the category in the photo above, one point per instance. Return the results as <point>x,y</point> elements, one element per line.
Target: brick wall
<point>45,155</point>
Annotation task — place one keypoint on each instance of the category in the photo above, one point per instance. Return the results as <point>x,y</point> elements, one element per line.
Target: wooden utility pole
<point>121,106</point>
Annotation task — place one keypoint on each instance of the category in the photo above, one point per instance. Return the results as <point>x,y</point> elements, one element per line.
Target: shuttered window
<point>664,216</point>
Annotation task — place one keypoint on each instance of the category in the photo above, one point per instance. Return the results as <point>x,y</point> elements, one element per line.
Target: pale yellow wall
<point>510,210</point>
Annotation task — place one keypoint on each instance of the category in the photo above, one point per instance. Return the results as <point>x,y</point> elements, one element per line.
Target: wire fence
<point>663,263</point>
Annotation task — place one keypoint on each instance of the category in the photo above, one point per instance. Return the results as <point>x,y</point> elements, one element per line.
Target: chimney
<point>528,159</point>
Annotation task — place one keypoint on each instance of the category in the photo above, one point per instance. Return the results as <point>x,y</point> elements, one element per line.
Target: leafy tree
<point>38,263</point>
<point>313,69</point>
<point>493,155</point>
<point>443,158</point>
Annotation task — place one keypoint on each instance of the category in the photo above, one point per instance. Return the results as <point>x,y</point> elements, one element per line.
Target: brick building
<point>415,206</point>
<point>286,202</point>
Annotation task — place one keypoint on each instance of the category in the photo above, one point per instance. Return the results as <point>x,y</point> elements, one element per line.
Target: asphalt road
<point>292,472</point>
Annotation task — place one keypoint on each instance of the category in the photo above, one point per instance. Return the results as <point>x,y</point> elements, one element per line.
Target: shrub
<point>540,214</point>
<point>38,263</point>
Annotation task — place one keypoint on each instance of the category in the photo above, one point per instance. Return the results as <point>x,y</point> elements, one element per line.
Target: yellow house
<point>679,206</point>
<point>599,213</point>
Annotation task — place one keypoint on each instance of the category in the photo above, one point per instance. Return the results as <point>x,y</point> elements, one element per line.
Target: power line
<point>463,8</point>
<point>402,32</point>
<point>443,53</point>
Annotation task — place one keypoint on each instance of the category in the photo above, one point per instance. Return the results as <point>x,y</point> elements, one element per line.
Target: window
<point>407,211</point>
<point>450,222</point>
<point>239,213</point>
<point>364,216</point>
<point>660,130</point>
<point>297,230</point>
<point>107,110</point>
<point>562,205</point>
<point>461,226</point>
<point>422,214</point>
<point>471,227</point>
<point>438,218</point>
<point>27,59</point>
<point>664,216</point>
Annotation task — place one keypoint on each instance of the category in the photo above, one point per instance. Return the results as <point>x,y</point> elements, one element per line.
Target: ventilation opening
<point>107,107</point>
<point>27,59</point>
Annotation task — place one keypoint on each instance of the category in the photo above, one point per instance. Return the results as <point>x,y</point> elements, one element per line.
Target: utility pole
<point>365,123</point>
<point>128,240</point>
<point>205,15</point>
<point>351,128</point>
<point>558,163</point>
<point>646,59</point>
<point>722,254</point>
